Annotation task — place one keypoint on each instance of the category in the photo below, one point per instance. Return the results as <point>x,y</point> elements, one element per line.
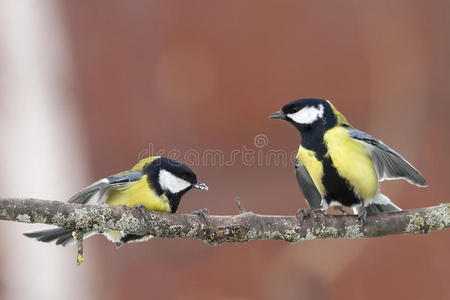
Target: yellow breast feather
<point>352,162</point>
<point>138,193</point>
<point>314,167</point>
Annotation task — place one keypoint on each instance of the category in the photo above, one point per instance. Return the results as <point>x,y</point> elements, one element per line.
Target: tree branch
<point>216,230</point>
<point>221,229</point>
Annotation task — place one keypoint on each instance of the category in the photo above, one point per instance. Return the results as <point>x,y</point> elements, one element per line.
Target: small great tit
<point>339,165</point>
<point>155,184</point>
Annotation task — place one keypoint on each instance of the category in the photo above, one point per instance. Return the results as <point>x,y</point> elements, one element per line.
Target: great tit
<point>339,165</point>
<point>154,184</point>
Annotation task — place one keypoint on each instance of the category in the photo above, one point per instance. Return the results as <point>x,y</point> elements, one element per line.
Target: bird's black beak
<point>201,186</point>
<point>278,115</point>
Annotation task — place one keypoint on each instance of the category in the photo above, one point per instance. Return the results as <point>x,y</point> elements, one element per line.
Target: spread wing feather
<point>97,189</point>
<point>388,163</point>
<point>307,186</point>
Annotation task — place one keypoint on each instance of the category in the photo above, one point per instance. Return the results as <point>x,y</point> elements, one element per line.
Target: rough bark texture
<point>222,229</point>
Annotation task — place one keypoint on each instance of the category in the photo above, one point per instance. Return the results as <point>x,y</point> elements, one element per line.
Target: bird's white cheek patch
<point>172,183</point>
<point>307,115</point>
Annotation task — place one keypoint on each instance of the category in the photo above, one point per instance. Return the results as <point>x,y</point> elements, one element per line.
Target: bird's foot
<point>143,210</point>
<point>139,207</point>
<point>303,212</point>
<point>362,218</point>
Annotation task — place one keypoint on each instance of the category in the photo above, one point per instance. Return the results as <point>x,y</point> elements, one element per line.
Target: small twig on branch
<point>221,229</point>
<point>78,235</point>
<point>237,199</point>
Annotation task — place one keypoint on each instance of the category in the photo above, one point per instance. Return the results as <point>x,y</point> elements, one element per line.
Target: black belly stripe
<point>337,188</point>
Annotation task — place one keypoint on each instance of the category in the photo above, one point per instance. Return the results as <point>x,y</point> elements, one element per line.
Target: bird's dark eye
<point>186,176</point>
<point>293,110</point>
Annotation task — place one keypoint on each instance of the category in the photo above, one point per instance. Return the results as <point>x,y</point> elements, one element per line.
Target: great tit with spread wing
<point>154,184</point>
<point>339,165</point>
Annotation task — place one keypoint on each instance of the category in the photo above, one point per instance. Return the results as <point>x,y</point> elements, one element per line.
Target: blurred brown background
<point>199,75</point>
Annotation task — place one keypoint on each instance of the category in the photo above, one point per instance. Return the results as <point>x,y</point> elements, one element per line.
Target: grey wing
<point>94,193</point>
<point>388,163</point>
<point>307,186</point>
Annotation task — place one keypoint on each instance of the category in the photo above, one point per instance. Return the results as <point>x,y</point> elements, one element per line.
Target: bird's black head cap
<point>311,116</point>
<point>173,179</point>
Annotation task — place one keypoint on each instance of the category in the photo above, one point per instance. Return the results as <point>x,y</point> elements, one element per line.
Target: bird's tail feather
<point>377,208</point>
<point>62,236</point>
<point>382,204</point>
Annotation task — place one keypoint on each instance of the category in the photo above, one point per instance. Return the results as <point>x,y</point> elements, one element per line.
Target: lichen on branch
<point>216,230</point>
